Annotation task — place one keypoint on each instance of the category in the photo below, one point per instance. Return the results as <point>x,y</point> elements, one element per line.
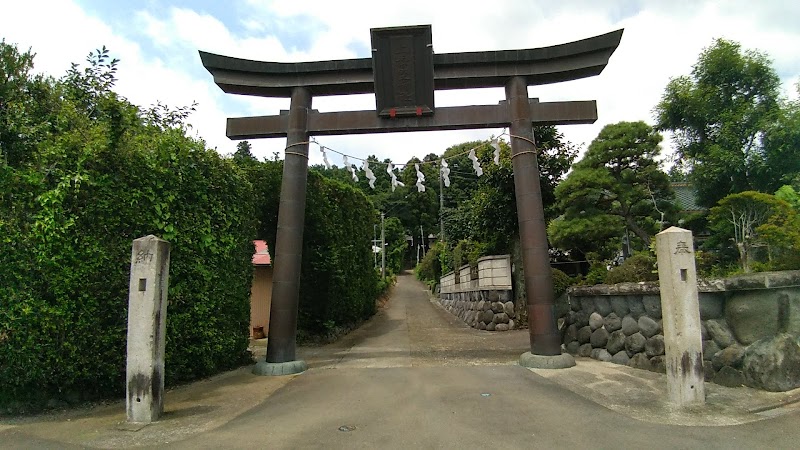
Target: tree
<point>243,152</point>
<point>617,184</point>
<point>719,116</point>
<point>741,216</point>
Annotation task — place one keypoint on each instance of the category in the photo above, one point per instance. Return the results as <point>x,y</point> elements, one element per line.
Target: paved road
<point>412,377</point>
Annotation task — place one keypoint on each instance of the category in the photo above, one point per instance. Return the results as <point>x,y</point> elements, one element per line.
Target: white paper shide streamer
<point>350,167</point>
<point>325,157</point>
<point>368,173</point>
<point>496,146</point>
<point>475,164</point>
<point>445,173</point>
<point>395,181</point>
<point>420,179</point>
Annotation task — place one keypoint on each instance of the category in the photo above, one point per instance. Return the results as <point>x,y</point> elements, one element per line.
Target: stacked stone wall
<point>483,309</point>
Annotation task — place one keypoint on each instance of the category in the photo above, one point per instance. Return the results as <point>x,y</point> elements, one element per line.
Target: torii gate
<point>403,73</point>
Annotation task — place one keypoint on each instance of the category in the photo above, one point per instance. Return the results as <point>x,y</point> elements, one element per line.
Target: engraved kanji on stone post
<point>680,308</point>
<point>147,324</point>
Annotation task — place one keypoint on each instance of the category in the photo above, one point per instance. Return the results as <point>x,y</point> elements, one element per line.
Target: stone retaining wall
<point>486,302</point>
<point>742,319</point>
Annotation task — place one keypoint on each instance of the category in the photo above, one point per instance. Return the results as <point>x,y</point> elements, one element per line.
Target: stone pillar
<point>281,345</point>
<point>544,337</point>
<point>147,324</point>
<point>680,308</point>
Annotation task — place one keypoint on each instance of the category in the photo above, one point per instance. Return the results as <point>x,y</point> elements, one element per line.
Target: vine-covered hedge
<point>97,172</point>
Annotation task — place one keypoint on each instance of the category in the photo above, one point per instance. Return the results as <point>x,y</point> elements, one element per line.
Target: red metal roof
<point>261,256</point>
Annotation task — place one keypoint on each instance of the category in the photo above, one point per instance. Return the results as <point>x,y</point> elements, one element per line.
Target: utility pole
<point>383,248</point>
<point>441,207</point>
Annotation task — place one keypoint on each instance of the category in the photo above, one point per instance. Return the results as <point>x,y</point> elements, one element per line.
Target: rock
<point>708,371</point>
<point>501,327</point>
<point>728,376</point>
<point>574,304</point>
<point>703,330</point>
<point>616,342</point>
<point>481,304</point>
<point>640,361</point>
<point>710,348</point>
<point>620,358</point>
<point>773,364</point>
<point>510,324</point>
<point>587,305</point>
<point>581,319</point>
<point>602,306</point>
<point>491,326</point>
<point>658,364</point>
<point>752,315</point>
<point>508,308</point>
<point>487,317</point>
<point>481,326</point>
<point>630,325</point>
<point>635,344</point>
<point>595,321</point>
<point>572,347</point>
<point>647,326</point>
<point>571,333</point>
<point>500,318</point>
<point>493,295</point>
<point>636,306</point>
<point>498,307</point>
<point>599,338</point>
<point>612,322</point>
<point>731,357</point>
<point>654,346</point>
<point>620,306</point>
<point>652,306</point>
<point>569,317</point>
<point>718,331</point>
<point>711,306</point>
<point>585,350</point>
<point>584,334</point>
<point>603,355</point>
<point>595,353</point>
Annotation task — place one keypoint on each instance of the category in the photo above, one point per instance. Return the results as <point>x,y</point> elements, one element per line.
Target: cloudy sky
<point>157,42</point>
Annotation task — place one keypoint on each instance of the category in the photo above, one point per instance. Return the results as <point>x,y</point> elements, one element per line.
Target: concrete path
<point>416,377</point>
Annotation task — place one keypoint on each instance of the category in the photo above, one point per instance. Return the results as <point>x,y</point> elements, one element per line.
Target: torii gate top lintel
<point>544,65</point>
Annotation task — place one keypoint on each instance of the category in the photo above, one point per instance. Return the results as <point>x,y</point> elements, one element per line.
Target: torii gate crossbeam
<point>403,73</point>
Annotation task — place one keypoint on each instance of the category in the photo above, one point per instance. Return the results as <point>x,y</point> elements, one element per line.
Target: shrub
<point>639,267</point>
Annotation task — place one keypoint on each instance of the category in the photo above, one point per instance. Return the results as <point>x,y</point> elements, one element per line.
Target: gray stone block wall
<point>483,309</point>
<point>750,328</point>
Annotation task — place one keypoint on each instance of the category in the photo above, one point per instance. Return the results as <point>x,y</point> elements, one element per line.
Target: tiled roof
<point>261,256</point>
<point>686,198</point>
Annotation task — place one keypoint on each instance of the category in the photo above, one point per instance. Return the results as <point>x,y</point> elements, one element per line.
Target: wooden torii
<point>403,73</point>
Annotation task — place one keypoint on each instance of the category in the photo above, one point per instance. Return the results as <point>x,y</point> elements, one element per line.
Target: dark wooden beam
<point>447,118</point>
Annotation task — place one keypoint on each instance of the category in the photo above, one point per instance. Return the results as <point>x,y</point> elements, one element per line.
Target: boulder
<point>620,306</point>
<point>718,331</point>
<point>703,331</point>
<point>752,315</point>
<point>602,355</point>
<point>491,326</point>
<point>510,324</point>
<point>729,357</point>
<point>647,326</point>
<point>581,318</point>
<point>635,344</point>
<point>481,304</point>
<point>599,338</point>
<point>584,335</point>
<point>710,348</point>
<point>487,316</point>
<point>571,333</point>
<point>500,318</point>
<point>508,308</point>
<point>481,325</point>
<point>728,376</point>
<point>497,307</point>
<point>640,361</point>
<point>658,364</point>
<point>616,342</point>
<point>602,306</point>
<point>585,350</point>
<point>630,325</point>
<point>595,321</point>
<point>587,305</point>
<point>612,322</point>
<point>773,364</point>
<point>654,346</point>
<point>572,347</point>
<point>501,327</point>
<point>652,306</point>
<point>620,358</point>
